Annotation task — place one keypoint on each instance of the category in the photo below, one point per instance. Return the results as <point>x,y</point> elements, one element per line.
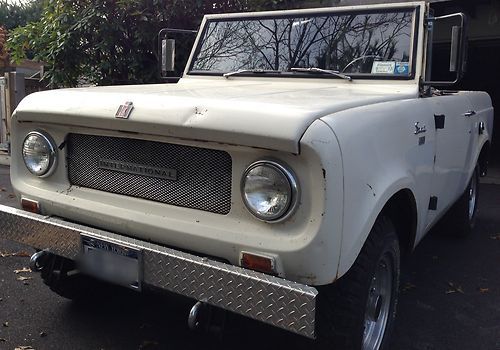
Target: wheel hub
<point>378,305</point>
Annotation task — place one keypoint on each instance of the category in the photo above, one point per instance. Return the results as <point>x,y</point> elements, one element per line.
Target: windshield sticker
<point>402,68</point>
<point>383,67</point>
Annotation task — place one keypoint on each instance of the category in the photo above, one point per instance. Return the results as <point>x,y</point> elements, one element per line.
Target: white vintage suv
<point>301,155</point>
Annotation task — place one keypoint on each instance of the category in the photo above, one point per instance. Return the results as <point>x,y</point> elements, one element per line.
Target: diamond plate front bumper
<point>265,298</point>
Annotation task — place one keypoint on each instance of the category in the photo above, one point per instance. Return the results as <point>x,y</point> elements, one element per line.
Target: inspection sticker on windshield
<point>402,68</point>
<point>383,67</point>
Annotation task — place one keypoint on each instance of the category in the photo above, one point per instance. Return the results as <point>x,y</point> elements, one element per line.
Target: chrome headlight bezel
<point>52,151</point>
<point>294,191</point>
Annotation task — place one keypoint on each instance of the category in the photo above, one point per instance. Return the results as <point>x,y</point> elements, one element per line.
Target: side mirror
<point>457,48</point>
<point>174,47</point>
<point>167,56</point>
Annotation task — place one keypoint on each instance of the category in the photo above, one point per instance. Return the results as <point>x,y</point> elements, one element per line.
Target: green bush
<point>108,42</point>
<point>13,15</point>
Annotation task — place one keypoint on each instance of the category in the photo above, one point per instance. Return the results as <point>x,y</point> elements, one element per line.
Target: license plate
<point>111,262</point>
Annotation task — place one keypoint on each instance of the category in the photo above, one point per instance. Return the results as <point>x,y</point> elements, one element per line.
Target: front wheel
<point>358,311</point>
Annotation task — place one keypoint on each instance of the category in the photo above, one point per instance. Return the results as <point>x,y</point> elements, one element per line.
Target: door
<point>453,147</point>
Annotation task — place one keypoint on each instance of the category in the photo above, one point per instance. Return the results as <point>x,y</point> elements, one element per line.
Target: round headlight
<point>39,153</point>
<point>269,190</point>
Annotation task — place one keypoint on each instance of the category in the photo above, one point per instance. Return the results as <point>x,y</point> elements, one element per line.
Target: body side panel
<point>382,155</point>
<point>458,146</point>
<point>482,105</point>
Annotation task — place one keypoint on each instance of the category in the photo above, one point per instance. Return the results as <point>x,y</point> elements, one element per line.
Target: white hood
<point>264,113</point>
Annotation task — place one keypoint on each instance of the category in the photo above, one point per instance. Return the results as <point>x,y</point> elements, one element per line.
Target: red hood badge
<point>124,110</point>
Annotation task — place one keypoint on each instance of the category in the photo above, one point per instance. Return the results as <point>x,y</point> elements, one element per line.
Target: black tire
<point>346,305</point>
<point>460,220</point>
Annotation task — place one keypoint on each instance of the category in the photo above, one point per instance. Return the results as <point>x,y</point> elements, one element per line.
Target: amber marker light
<point>257,262</point>
<point>30,205</point>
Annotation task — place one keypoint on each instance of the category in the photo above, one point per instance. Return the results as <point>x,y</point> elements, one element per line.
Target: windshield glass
<point>378,43</point>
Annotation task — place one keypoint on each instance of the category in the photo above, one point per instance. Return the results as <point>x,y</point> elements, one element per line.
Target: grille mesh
<point>203,175</point>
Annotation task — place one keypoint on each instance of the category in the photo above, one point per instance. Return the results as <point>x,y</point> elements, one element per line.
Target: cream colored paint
<point>306,234</point>
<point>266,113</point>
<point>381,155</point>
<point>352,145</point>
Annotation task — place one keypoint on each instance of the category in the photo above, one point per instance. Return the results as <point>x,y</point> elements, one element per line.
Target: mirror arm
<point>177,31</point>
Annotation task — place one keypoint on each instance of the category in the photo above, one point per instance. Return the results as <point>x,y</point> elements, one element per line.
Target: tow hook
<point>38,260</point>
<point>194,316</point>
<point>204,317</point>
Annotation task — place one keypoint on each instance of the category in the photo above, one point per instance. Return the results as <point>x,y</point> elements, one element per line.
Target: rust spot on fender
<point>310,278</point>
<point>200,112</point>
<point>371,188</point>
<point>67,191</point>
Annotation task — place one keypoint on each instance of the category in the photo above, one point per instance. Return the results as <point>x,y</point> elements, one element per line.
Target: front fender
<point>319,142</point>
<point>369,198</point>
<point>381,156</point>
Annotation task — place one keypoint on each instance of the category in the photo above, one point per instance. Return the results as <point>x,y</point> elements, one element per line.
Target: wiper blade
<point>255,71</point>
<point>321,71</point>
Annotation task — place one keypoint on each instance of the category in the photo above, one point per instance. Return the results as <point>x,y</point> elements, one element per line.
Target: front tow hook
<point>207,318</point>
<point>38,260</point>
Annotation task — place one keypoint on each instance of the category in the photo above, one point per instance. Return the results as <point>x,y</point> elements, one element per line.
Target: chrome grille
<point>202,181</point>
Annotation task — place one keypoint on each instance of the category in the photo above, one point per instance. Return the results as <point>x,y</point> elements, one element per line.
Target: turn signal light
<point>257,262</point>
<point>30,205</point>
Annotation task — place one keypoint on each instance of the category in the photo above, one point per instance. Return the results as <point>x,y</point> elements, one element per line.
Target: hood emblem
<point>124,110</point>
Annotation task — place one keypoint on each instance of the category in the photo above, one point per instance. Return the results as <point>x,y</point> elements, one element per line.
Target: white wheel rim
<point>472,196</point>
<point>378,305</point>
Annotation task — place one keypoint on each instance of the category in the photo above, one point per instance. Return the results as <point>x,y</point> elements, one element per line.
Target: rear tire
<point>461,218</point>
<point>358,311</point>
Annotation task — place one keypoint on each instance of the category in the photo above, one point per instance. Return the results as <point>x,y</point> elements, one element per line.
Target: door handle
<point>469,113</point>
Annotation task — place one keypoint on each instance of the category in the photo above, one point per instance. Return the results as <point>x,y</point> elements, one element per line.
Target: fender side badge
<point>419,129</point>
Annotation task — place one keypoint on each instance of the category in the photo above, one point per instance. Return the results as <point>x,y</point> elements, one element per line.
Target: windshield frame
<point>415,8</point>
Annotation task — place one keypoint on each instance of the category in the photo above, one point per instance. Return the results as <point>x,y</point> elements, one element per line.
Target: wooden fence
<point>13,88</point>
